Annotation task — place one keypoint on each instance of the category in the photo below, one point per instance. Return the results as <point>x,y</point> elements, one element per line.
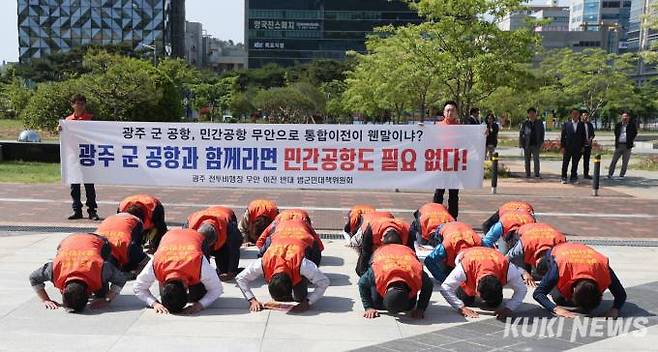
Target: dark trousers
<point>378,300</point>
<point>453,200</point>
<point>158,220</point>
<point>587,152</point>
<point>90,192</point>
<point>572,156</point>
<point>531,152</point>
<point>227,258</point>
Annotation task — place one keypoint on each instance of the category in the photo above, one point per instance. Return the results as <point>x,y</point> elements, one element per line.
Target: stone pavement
<point>334,323</point>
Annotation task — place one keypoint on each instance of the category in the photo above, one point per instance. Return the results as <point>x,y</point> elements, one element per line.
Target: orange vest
<point>118,230</point>
<point>79,258</point>
<point>395,263</point>
<point>429,222</point>
<point>297,229</point>
<point>380,225</point>
<point>512,220</point>
<point>285,255</point>
<point>262,207</point>
<point>146,202</point>
<point>458,236</point>
<point>479,262</point>
<point>537,238</point>
<point>366,219</point>
<point>179,257</point>
<point>218,217</point>
<point>84,117</point>
<point>354,217</point>
<point>576,261</point>
<point>516,206</point>
<point>223,211</point>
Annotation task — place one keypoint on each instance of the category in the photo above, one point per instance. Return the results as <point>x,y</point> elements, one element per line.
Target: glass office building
<point>638,37</point>
<point>49,26</point>
<point>287,32</point>
<point>589,14</point>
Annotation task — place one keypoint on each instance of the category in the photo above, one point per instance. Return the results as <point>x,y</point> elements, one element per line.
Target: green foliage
<point>50,103</point>
<point>14,97</point>
<point>285,104</point>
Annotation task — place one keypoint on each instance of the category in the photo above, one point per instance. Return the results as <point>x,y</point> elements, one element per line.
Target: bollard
<point>597,175</point>
<point>494,173</point>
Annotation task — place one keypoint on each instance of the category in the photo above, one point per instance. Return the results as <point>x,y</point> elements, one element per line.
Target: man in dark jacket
<point>625,133</point>
<point>531,139</point>
<point>589,140</point>
<point>572,143</point>
<point>473,118</point>
<point>492,135</point>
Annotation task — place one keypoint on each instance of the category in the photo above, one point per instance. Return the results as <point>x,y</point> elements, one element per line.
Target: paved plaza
<point>621,224</point>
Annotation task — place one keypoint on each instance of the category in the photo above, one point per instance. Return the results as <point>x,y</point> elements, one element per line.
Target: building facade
<point>287,32</point>
<point>558,16</point>
<point>51,26</point>
<point>641,38</point>
<point>590,15</point>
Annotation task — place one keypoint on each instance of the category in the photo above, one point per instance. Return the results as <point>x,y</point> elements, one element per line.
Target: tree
<point>50,102</point>
<point>217,97</point>
<point>286,104</point>
<point>15,96</point>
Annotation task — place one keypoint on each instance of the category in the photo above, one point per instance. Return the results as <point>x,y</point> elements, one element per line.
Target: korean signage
<point>273,156</point>
<point>285,25</point>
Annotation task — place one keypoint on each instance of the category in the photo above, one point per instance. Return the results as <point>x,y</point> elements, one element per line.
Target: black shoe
<point>93,216</point>
<point>75,216</point>
<point>563,181</point>
<point>587,177</point>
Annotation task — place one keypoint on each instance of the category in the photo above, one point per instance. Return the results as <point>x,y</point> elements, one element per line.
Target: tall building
<point>590,15</point>
<point>558,16</point>
<point>551,10</point>
<point>641,38</point>
<point>50,26</point>
<point>194,43</point>
<point>287,32</point>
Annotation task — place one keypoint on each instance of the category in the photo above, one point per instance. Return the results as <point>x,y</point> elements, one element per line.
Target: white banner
<point>273,156</point>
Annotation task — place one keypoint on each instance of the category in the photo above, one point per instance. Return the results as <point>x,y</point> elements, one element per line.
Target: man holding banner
<point>450,117</point>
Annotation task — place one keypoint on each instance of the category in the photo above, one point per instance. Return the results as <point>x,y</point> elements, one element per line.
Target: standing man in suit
<point>589,138</point>
<point>531,139</point>
<point>572,143</point>
<point>473,118</point>
<point>625,133</point>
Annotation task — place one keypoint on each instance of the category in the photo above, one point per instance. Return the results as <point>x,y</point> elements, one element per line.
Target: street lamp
<point>155,50</point>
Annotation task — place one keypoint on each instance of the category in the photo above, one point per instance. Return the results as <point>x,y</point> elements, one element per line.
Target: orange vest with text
<point>395,263</point>
<point>537,238</point>
<point>512,220</point>
<point>576,261</point>
<point>516,206</point>
<point>296,229</point>
<point>218,217</point>
<point>380,225</point>
<point>479,262</point>
<point>118,230</point>
<point>354,217</point>
<point>431,216</point>
<point>458,236</point>
<point>285,255</point>
<point>262,207</point>
<point>79,258</point>
<point>146,202</point>
<point>366,219</point>
<point>179,257</point>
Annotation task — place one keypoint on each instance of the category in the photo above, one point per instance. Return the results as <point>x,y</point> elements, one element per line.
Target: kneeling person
<point>259,215</point>
<point>454,237</point>
<point>509,206</point>
<point>393,282</point>
<point>287,274</point>
<point>183,273</point>
<point>124,233</point>
<point>154,225</point>
<point>528,254</point>
<point>300,230</point>
<point>577,276</point>
<point>426,220</point>
<point>482,272</point>
<point>355,217</point>
<point>381,231</point>
<point>504,232</point>
<point>82,267</point>
<point>223,239</point>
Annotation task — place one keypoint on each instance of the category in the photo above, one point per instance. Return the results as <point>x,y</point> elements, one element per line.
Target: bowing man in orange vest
<point>287,273</point>
<point>528,254</point>
<point>355,217</point>
<point>504,232</point>
<point>382,231</point>
<point>577,276</point>
<point>481,272</point>
<point>259,215</point>
<point>395,281</point>
<point>455,237</point>
<point>426,220</point>
<point>82,267</point>
<point>183,273</point>
<point>124,233</point>
<point>292,214</point>
<point>223,239</point>
<point>509,206</point>
<point>154,217</point>
<point>356,241</point>
<point>299,229</point>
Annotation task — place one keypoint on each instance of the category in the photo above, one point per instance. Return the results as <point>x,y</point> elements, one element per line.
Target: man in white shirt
<point>287,273</point>
<point>192,280</point>
<point>482,272</point>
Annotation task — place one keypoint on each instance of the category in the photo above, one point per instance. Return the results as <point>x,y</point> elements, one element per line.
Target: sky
<point>223,19</point>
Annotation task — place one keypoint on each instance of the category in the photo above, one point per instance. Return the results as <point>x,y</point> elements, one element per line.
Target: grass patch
<point>11,128</point>
<point>29,172</point>
<point>649,163</point>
